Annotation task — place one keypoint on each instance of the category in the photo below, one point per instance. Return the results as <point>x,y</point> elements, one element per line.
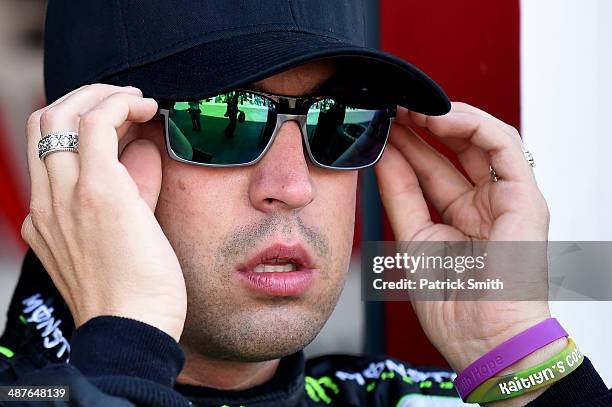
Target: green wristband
<point>519,383</point>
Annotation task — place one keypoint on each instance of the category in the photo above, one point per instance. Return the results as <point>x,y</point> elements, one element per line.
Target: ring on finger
<point>529,158</point>
<point>58,141</point>
<point>494,177</point>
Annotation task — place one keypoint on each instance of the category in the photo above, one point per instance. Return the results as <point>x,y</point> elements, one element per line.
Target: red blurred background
<point>472,49</point>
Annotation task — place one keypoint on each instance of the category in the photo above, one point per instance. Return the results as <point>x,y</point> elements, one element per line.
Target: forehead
<point>301,80</point>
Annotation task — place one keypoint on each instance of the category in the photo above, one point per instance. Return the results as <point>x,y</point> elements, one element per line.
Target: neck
<point>203,371</point>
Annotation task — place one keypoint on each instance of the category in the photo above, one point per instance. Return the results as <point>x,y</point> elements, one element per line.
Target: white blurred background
<point>566,90</point>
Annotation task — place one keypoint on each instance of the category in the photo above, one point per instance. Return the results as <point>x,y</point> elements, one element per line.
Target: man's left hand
<point>475,208</point>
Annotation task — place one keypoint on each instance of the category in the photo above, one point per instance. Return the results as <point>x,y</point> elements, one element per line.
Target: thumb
<point>142,159</point>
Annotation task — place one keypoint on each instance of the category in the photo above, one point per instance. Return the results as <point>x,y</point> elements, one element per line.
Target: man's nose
<point>281,179</point>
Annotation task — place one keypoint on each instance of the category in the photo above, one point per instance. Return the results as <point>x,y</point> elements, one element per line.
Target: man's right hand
<point>91,220</point>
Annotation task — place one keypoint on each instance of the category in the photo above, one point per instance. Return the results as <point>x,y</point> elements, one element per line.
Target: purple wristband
<point>507,354</point>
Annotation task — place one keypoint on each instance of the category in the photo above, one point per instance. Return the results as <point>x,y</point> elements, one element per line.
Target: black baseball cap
<point>185,49</point>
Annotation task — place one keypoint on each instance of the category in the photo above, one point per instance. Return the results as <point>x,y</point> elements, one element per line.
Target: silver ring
<point>494,177</point>
<point>59,141</point>
<point>529,158</point>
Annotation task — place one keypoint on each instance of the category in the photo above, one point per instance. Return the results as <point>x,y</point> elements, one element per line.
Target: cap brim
<point>230,63</point>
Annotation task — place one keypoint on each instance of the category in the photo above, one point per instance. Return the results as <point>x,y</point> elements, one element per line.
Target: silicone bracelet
<point>536,377</point>
<point>507,354</point>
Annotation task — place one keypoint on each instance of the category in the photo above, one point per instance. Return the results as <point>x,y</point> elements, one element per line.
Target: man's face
<point>225,223</point>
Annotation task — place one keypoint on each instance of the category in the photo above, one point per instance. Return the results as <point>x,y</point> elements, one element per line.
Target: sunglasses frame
<point>283,103</point>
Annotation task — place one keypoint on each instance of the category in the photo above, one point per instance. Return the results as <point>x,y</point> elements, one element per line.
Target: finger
<point>440,181</point>
<point>401,195</point>
<point>504,150</point>
<point>460,107</point>
<point>64,113</point>
<point>39,180</point>
<point>474,160</point>
<point>99,142</point>
<point>36,241</point>
<point>142,159</point>
<point>63,116</point>
<point>123,129</point>
<point>40,191</point>
<point>403,115</point>
<point>96,85</point>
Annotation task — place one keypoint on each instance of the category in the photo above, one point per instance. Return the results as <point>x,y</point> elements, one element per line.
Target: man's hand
<point>511,209</point>
<point>91,220</point>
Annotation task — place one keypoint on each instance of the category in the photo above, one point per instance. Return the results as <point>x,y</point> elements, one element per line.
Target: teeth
<point>274,268</point>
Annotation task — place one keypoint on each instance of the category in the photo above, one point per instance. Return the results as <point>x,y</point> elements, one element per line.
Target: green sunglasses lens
<point>346,137</point>
<point>229,129</point>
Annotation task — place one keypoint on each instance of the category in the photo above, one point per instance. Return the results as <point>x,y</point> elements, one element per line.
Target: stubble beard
<point>223,327</point>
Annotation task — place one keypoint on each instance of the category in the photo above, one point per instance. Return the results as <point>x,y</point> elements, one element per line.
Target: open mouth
<point>279,270</point>
<point>276,266</point>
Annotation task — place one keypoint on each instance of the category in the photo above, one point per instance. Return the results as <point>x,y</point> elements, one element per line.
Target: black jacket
<point>112,361</point>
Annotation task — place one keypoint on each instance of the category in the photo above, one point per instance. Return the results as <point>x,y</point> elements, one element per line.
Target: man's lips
<point>279,270</point>
<point>280,253</point>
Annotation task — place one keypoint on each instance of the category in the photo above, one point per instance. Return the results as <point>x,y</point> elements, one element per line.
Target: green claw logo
<point>317,388</point>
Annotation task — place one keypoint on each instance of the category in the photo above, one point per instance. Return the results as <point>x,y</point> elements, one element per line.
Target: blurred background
<point>542,66</point>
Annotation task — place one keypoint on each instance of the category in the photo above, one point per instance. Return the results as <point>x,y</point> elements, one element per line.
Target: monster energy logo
<point>46,324</point>
<point>375,370</point>
<point>317,388</point>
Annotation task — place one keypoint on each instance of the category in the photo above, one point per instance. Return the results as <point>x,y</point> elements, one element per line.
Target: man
<point>232,114</point>
<point>194,112</point>
<point>145,257</point>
